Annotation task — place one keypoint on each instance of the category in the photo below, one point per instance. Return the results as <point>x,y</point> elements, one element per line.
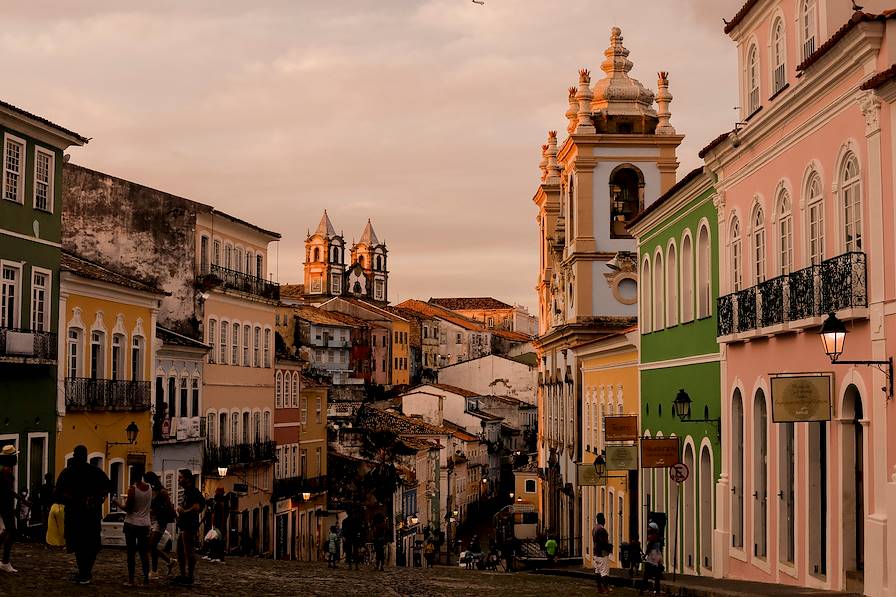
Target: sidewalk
<point>703,586</point>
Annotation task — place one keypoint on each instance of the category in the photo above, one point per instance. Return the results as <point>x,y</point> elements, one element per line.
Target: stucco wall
<point>493,375</point>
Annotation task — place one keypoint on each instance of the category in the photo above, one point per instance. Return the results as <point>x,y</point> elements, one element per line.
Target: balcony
<point>292,486</point>
<point>26,346</point>
<point>220,456</point>
<point>229,279</point>
<point>836,284</point>
<point>88,394</point>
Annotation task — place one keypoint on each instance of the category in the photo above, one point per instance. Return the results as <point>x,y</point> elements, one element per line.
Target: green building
<point>678,253</point>
<point>30,248</point>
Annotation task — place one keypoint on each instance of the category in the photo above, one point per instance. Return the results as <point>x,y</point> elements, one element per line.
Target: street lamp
<point>682,407</point>
<point>222,471</point>
<point>600,466</point>
<point>131,432</point>
<point>833,338</point>
<point>306,495</point>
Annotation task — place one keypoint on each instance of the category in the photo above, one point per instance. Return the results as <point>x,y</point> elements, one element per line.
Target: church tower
<point>324,261</point>
<point>368,275</point>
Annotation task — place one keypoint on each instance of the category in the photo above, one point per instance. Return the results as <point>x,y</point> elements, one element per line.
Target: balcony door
<point>9,296</point>
<point>97,352</point>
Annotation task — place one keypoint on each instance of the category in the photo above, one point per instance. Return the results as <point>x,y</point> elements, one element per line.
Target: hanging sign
<point>659,452</point>
<point>801,398</point>
<point>586,475</point>
<point>623,428</point>
<point>622,458</point>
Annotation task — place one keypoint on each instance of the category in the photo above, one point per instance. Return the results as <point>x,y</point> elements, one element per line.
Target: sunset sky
<point>424,115</point>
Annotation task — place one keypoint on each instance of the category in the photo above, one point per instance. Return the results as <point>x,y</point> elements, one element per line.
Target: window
<point>379,290</point>
<point>9,297</point>
<point>319,459</point>
<point>852,203</point>
<point>210,428</point>
<point>137,344</point>
<point>195,391</point>
<point>807,28</point>
<point>216,255</point>
<point>295,390</point>
<point>246,332</point>
<point>225,326</point>
<point>259,266</point>
<point>245,427</point>
<point>40,291</point>
<point>228,256</point>
<point>250,263</point>
<point>234,428</point>
<point>672,286</point>
<point>43,179</point>
<point>235,345</point>
<point>97,350</point>
<point>184,397</point>
<point>658,292</point>
<point>336,284</point>
<point>758,245</point>
<point>737,255</point>
<point>257,347</point>
<point>267,348</point>
<point>303,413</point>
<point>266,426</point>
<point>626,188</point>
<point>287,388</point>
<point>318,403</point>
<point>779,57</point>
<point>785,232</point>
<point>117,356</point>
<point>753,79</point>
<point>687,278</point>
<point>459,338</point>
<point>278,390</point>
<point>315,285</point>
<point>815,201</point>
<point>73,352</point>
<point>646,300</point>
<point>13,162</point>
<point>210,339</point>
<point>239,264</point>
<point>222,418</point>
<point>203,254</point>
<point>303,469</point>
<point>704,290</point>
<point>530,485</point>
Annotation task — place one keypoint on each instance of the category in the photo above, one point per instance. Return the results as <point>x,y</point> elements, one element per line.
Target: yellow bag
<point>56,526</point>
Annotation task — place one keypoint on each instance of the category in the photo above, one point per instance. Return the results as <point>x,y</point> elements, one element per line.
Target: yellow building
<point>609,388</point>
<point>107,329</point>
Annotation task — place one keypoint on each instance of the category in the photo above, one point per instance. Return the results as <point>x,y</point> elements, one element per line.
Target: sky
<point>426,116</point>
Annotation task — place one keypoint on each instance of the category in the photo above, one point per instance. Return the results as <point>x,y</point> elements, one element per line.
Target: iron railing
<point>229,278</point>
<point>27,344</point>
<point>86,394</point>
<point>837,283</point>
<point>220,456</point>
<point>293,486</point>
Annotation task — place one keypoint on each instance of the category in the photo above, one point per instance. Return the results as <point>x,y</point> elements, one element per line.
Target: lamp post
<point>682,407</point>
<point>131,432</point>
<point>222,471</point>
<point>833,338</point>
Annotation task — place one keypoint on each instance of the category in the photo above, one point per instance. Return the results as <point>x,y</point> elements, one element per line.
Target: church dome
<point>618,94</point>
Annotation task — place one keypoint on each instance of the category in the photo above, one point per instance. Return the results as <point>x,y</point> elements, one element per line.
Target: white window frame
<point>51,179</point>
<point>754,97</point>
<point>211,338</point>
<point>138,345</point>
<point>757,244</point>
<point>13,320</point>
<point>814,201</point>
<point>78,344</point>
<point>737,255</point>
<point>235,343</point>
<point>845,186</point>
<point>686,285</point>
<point>278,389</point>
<point>223,347</point>
<point>118,341</point>
<point>659,294</point>
<point>46,460</point>
<point>778,53</point>
<point>48,298</point>
<point>808,26</point>
<point>784,211</point>
<point>646,298</point>
<point>672,299</point>
<point>20,186</point>
<point>267,337</point>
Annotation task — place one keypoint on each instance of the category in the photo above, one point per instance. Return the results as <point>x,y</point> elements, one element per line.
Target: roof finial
<point>663,98</point>
<point>553,170</point>
<point>572,112</point>
<point>584,96</point>
<point>543,163</point>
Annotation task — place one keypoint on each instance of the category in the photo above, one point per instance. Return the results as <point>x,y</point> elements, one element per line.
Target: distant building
<point>495,374</point>
<point>493,313</point>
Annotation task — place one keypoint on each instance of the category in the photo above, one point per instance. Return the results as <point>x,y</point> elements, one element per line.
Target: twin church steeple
<point>327,274</point>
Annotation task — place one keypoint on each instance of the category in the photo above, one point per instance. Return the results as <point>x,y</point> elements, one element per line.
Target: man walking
<point>8,496</point>
<point>602,548</point>
<point>188,512</point>
<point>82,488</point>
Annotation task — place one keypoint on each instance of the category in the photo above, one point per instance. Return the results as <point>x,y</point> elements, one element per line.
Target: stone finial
<point>617,94</point>
<point>572,112</point>
<point>584,96</point>
<point>543,164</point>
<point>553,169</point>
<point>663,99</point>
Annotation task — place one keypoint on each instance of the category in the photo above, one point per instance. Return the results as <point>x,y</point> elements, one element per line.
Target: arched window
<point>815,202</point>
<point>287,389</point>
<point>267,425</point>
<point>235,345</point>
<point>222,355</point>
<point>658,292</point>
<point>807,27</point>
<point>295,390</point>
<point>752,79</point>
<point>224,429</point>
<point>316,253</point>
<point>646,298</point>
<point>626,198</point>
<point>779,57</point>
<point>235,428</point>
<point>74,358</point>
<point>737,256</point>
<point>737,470</point>
<point>704,269</point>
<point>278,390</point>
<point>851,191</point>
<point>785,232</point>
<point>758,245</point>
<point>687,278</point>
<point>671,286</point>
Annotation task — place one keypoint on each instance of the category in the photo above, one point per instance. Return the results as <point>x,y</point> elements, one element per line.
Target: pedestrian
<point>8,496</point>
<point>137,522</point>
<point>550,548</point>
<point>161,514</point>
<point>191,506</point>
<point>23,513</point>
<point>333,547</point>
<point>380,533</point>
<point>653,561</point>
<point>82,488</point>
<point>429,552</point>
<point>351,535</point>
<point>220,510</point>
<point>602,548</point>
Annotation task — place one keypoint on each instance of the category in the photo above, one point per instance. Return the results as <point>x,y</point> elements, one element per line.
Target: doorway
<point>689,528</point>
<point>853,445</point>
<point>706,514</point>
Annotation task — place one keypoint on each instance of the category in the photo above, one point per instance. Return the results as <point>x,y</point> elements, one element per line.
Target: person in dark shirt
<point>82,488</point>
<point>8,496</point>
<point>188,512</point>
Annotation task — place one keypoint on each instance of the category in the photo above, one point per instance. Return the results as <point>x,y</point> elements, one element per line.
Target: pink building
<point>806,226</point>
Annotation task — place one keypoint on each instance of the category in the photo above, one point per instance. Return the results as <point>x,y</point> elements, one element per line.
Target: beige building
<point>494,314</point>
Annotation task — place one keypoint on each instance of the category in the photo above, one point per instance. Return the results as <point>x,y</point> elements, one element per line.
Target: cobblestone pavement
<point>43,572</point>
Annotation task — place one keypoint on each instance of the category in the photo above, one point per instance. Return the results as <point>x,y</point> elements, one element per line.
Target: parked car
<point>112,533</point>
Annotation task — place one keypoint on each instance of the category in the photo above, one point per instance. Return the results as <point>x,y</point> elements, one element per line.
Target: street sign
<point>622,458</point>
<point>799,398</point>
<point>587,476</point>
<point>659,452</point>
<point>621,428</point>
<point>679,472</point>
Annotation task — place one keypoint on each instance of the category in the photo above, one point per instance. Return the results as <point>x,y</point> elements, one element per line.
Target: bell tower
<point>324,261</point>
<point>369,260</point>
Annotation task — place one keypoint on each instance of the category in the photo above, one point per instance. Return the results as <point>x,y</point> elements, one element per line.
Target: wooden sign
<point>659,452</point>
<point>622,458</point>
<point>799,398</point>
<point>623,428</point>
<point>586,475</point>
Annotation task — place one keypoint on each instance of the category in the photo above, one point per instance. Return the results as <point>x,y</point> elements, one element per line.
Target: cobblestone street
<point>45,572</point>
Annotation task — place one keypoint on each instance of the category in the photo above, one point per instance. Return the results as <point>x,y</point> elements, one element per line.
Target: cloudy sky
<point>424,115</point>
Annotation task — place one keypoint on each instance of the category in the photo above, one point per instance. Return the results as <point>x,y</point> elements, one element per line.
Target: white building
<point>494,374</point>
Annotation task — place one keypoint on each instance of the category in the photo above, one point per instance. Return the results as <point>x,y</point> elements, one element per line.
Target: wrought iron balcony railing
<point>86,394</point>
<point>220,456</point>
<point>27,344</point>
<point>837,283</point>
<point>228,278</point>
<point>293,486</point>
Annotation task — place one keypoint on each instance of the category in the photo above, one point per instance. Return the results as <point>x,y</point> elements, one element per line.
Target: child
<point>333,547</point>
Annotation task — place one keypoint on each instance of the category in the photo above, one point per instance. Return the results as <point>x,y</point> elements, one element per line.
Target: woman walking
<point>161,514</point>
<point>188,512</point>
<point>136,527</point>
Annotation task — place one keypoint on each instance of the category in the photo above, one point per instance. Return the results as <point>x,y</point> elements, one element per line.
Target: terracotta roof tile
<point>856,18</point>
<point>171,337</point>
<point>292,290</point>
<point>712,144</point>
<point>435,311</point>
<point>880,79</point>
<point>42,120</point>
<point>94,271</point>
<point>470,303</point>
<point>319,316</point>
<point>511,335</point>
<point>740,16</point>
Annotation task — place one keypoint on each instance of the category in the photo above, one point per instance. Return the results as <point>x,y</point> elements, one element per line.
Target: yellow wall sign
<point>587,476</point>
<point>798,398</point>
<point>622,428</point>
<point>622,458</point>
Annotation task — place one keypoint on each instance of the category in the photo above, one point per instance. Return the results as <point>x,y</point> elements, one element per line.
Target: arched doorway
<point>706,513</point>
<point>737,470</point>
<point>853,444</point>
<point>689,529</point>
<point>786,494</point>
<point>760,476</point>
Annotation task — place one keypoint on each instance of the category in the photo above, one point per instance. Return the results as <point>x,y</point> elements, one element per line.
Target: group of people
<point>82,489</point>
<point>652,557</point>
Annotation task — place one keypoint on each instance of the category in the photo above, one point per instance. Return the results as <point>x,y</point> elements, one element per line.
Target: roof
<point>319,316</point>
<point>527,358</point>
<point>292,291</point>
<point>437,312</point>
<point>479,413</point>
<point>712,144</point>
<point>511,335</point>
<point>510,400</point>
<point>94,271</point>
<point>373,308</point>
<point>470,303</point>
<point>237,220</point>
<point>375,419</point>
<point>459,432</point>
<point>346,319</point>
<point>880,79</point>
<point>306,382</point>
<point>856,18</point>
<point>690,176</point>
<point>59,129</point>
<point>325,228</point>
<point>173,338</point>
<point>740,16</point>
<point>448,388</point>
<point>368,237</point>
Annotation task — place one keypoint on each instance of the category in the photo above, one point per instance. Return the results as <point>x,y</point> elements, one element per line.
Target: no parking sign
<point>679,472</point>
